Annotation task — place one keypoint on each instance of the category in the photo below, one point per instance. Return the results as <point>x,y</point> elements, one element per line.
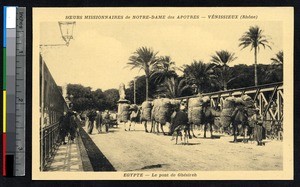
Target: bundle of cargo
<point>164,111</point>
<point>248,101</point>
<point>229,102</point>
<point>228,108</point>
<point>249,104</point>
<point>146,111</point>
<point>154,111</point>
<point>124,112</point>
<point>195,110</point>
<point>206,99</point>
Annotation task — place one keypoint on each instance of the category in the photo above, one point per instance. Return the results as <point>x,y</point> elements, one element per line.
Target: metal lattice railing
<point>52,108</point>
<point>268,98</point>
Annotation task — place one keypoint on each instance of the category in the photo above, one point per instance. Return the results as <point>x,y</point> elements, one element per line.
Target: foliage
<point>86,99</point>
<point>275,71</point>
<point>254,38</point>
<point>278,60</point>
<point>174,87</point>
<point>200,74</point>
<point>224,74</point>
<point>140,90</point>
<point>163,69</point>
<point>143,58</point>
<point>111,98</point>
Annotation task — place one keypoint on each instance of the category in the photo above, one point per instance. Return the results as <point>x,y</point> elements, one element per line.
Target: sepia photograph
<point>162,93</point>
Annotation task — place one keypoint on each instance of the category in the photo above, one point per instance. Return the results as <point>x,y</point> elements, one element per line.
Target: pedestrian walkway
<point>67,158</point>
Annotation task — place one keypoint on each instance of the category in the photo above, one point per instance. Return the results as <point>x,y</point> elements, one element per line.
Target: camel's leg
<point>187,139</point>
<point>245,134</point>
<point>186,136</point>
<point>162,129</point>
<point>151,130</point>
<point>125,126</point>
<point>145,125</point>
<point>235,126</point>
<point>192,128</point>
<point>129,125</point>
<point>176,137</point>
<point>157,127</point>
<point>205,128</point>
<point>152,127</point>
<point>211,130</point>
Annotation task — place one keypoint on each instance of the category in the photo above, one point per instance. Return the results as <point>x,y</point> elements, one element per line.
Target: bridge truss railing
<point>268,99</point>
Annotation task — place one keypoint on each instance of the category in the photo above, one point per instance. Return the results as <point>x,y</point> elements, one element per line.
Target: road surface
<point>140,151</point>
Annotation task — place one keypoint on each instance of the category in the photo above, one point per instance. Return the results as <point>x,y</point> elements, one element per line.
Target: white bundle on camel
<point>164,111</point>
<point>228,108</point>
<point>146,111</point>
<point>124,112</point>
<point>195,110</point>
<point>249,104</point>
<point>154,111</point>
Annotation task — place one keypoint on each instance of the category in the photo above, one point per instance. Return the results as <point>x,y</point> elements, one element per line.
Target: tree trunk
<point>255,66</point>
<point>147,87</point>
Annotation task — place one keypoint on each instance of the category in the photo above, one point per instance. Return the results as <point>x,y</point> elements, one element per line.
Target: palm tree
<point>163,69</point>
<point>199,73</point>
<point>275,70</point>
<point>254,37</point>
<point>278,60</point>
<point>224,73</point>
<point>143,58</point>
<point>173,87</point>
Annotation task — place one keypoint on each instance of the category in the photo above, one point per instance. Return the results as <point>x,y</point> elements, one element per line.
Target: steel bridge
<point>268,98</point>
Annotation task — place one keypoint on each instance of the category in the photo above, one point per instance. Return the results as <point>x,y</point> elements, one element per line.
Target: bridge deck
<point>67,158</point>
<point>140,151</point>
<point>121,150</point>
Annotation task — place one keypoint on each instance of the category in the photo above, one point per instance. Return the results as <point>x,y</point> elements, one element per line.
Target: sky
<point>98,54</point>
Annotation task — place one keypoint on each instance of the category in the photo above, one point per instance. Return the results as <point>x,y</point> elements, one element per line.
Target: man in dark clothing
<point>73,126</point>
<point>258,127</point>
<point>106,120</point>
<point>92,116</point>
<point>62,129</point>
<point>99,122</point>
<point>179,117</point>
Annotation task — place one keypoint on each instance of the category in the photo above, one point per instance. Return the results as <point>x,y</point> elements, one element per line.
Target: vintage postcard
<point>163,93</point>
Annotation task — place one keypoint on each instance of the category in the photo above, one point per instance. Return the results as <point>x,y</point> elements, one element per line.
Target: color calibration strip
<point>13,82</point>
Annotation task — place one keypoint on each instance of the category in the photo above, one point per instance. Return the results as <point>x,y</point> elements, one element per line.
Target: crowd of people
<point>68,126</point>
<point>99,120</point>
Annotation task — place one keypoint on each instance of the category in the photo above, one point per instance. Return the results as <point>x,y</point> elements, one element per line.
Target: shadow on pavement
<point>98,160</point>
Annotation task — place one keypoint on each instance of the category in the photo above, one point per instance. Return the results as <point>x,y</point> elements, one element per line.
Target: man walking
<point>98,122</point>
<point>91,115</point>
<point>62,129</point>
<point>258,127</point>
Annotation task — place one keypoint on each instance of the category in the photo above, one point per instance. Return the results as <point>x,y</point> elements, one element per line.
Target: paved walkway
<point>67,158</point>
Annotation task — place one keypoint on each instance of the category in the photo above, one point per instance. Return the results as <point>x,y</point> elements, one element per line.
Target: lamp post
<point>66,31</point>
